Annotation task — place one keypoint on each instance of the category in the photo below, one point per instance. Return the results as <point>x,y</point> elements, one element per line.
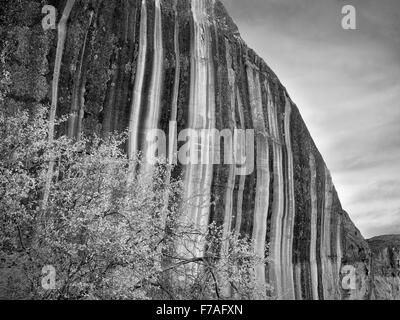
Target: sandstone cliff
<point>140,64</point>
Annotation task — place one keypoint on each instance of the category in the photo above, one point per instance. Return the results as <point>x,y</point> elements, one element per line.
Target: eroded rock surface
<point>141,64</point>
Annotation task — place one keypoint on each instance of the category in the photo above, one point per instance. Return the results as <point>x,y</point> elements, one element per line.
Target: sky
<point>346,84</point>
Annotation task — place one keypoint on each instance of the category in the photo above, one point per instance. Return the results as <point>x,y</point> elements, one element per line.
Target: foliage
<point>110,230</point>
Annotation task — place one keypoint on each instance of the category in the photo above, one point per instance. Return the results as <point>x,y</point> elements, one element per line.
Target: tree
<point>107,229</point>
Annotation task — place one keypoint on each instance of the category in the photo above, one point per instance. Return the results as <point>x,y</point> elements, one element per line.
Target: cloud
<point>383,190</point>
<point>377,222</point>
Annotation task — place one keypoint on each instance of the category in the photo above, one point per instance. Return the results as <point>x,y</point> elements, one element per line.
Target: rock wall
<point>386,267</point>
<point>144,64</point>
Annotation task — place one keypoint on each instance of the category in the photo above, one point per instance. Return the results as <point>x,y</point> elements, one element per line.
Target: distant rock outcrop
<point>386,267</point>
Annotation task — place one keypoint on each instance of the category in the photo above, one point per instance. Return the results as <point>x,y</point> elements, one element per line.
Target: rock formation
<point>143,64</point>
<point>386,267</point>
